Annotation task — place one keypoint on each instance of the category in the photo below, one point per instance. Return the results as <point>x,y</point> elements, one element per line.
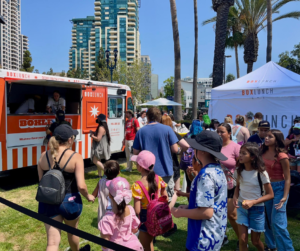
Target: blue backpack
<point>187,159</point>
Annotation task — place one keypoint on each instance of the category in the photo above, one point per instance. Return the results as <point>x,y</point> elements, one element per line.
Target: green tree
<point>50,72</point>
<point>62,74</point>
<point>27,59</point>
<point>291,60</point>
<point>169,90</point>
<point>230,77</point>
<point>36,71</point>
<point>78,73</point>
<point>44,73</point>
<point>101,72</point>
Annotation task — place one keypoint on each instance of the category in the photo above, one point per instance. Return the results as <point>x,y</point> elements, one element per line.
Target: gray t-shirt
<point>249,185</point>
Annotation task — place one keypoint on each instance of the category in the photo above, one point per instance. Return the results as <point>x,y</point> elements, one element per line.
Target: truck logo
<point>37,123</point>
<point>94,111</point>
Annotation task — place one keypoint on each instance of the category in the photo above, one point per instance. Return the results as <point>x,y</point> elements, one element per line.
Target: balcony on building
<point>93,42</point>
<point>97,23</point>
<point>113,31</point>
<point>130,46</point>
<point>93,52</point>
<point>130,31</point>
<point>92,38</point>
<point>93,57</point>
<point>98,18</point>
<point>131,24</point>
<point>113,47</point>
<point>131,4</point>
<point>97,3</point>
<point>93,47</point>
<point>97,8</point>
<point>113,41</point>
<point>131,14</point>
<point>97,13</point>
<point>93,32</point>
<point>113,36</point>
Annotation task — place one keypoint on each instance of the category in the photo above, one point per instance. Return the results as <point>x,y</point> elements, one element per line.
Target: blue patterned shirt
<point>209,189</point>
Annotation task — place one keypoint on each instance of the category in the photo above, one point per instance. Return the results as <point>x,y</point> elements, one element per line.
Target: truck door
<point>116,118</point>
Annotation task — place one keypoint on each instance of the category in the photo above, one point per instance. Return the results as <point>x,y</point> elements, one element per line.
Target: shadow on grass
<point>95,223</point>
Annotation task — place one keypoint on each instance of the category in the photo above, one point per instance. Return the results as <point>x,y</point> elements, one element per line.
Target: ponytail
<point>54,146</point>
<point>121,210</point>
<point>152,185</point>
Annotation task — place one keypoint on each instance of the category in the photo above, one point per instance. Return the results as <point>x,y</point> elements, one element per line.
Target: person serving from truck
<point>56,103</point>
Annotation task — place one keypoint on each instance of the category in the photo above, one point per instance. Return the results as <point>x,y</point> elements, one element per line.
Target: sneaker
<point>225,241</point>
<point>126,171</point>
<point>86,248</point>
<point>170,232</point>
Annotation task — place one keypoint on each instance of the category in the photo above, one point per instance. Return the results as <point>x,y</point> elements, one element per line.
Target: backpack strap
<point>68,161</point>
<point>262,194</point>
<point>62,156</point>
<point>237,131</point>
<point>48,160</point>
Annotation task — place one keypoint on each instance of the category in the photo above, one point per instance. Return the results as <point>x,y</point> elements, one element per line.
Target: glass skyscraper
<point>114,26</point>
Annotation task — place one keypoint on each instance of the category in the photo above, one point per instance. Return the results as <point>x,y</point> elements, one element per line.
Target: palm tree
<point>235,37</point>
<point>254,17</point>
<point>177,73</point>
<point>269,29</point>
<point>222,9</point>
<point>195,62</point>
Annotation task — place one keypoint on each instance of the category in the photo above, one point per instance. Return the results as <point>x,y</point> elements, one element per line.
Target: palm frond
<point>209,21</point>
<point>293,14</point>
<point>277,5</point>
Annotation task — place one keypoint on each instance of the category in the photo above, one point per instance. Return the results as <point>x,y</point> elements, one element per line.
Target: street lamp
<point>229,56</point>
<point>111,66</point>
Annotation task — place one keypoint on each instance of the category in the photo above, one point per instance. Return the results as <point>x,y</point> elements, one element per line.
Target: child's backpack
<point>187,159</point>
<point>159,217</point>
<point>51,189</point>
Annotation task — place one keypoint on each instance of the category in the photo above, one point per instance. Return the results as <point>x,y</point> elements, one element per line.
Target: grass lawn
<point>19,232</point>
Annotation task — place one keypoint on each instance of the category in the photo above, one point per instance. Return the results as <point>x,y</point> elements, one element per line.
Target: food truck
<point>22,134</point>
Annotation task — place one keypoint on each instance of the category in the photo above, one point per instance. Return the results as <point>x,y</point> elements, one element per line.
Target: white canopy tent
<point>161,102</point>
<point>272,90</point>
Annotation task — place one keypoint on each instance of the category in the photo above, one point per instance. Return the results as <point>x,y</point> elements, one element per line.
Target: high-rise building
<point>24,46</point>
<point>147,71</point>
<point>11,42</point>
<point>154,86</point>
<point>114,26</point>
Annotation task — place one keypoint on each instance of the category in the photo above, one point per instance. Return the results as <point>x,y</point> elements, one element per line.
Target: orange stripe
<point>80,147</point>
<point>74,147</point>
<point>25,157</point>
<point>15,158</point>
<point>34,153</point>
<point>86,146</point>
<point>4,157</point>
<point>43,149</point>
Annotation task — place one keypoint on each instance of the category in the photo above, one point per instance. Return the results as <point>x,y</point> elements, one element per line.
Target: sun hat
<point>253,126</point>
<point>264,124</point>
<point>297,126</point>
<point>60,114</point>
<point>101,118</point>
<point>119,188</point>
<point>145,159</point>
<point>208,141</point>
<point>64,132</point>
<point>130,111</point>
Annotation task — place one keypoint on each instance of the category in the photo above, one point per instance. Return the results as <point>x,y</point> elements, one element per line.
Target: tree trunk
<point>237,61</point>
<point>177,73</point>
<point>195,99</point>
<point>221,30</point>
<point>269,30</point>
<point>249,67</point>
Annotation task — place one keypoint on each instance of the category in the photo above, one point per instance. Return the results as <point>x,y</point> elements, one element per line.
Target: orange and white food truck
<point>22,135</point>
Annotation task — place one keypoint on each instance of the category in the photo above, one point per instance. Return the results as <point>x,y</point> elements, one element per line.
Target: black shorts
<point>230,193</point>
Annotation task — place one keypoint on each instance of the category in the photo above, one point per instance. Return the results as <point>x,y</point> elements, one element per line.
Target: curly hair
<point>257,162</point>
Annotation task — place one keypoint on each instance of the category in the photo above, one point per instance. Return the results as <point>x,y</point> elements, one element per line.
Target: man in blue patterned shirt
<point>207,209</point>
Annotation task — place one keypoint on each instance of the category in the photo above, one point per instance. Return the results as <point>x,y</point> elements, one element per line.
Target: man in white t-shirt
<point>26,107</point>
<point>142,119</point>
<point>56,103</point>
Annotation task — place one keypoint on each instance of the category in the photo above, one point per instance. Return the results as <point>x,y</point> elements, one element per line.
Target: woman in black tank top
<point>71,165</point>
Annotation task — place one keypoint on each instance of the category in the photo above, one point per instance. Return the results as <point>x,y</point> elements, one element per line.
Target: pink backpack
<point>159,217</point>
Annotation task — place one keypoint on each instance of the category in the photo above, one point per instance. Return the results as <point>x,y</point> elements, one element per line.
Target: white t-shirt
<point>174,125</point>
<point>142,121</point>
<point>56,105</point>
<point>27,105</point>
<point>249,185</point>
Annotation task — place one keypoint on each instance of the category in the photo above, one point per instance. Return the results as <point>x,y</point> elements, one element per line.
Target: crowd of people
<point>236,171</point>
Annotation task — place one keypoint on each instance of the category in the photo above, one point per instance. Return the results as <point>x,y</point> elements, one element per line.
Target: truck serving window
<point>33,99</point>
<point>115,107</point>
<point>130,104</point>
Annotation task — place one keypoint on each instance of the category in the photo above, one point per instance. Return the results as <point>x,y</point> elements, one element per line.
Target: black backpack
<point>51,189</point>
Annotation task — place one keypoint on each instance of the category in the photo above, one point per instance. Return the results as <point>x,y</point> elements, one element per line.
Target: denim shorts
<point>143,219</point>
<point>69,209</point>
<point>253,218</point>
<point>296,163</point>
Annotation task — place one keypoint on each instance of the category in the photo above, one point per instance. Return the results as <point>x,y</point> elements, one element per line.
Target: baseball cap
<point>101,117</point>
<point>119,188</point>
<point>264,124</point>
<point>208,141</point>
<point>297,119</point>
<point>130,111</point>
<point>64,132</point>
<point>60,114</point>
<point>145,159</point>
<point>297,126</point>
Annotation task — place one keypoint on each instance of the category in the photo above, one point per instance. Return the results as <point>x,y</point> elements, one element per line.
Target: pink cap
<point>119,188</point>
<point>145,159</point>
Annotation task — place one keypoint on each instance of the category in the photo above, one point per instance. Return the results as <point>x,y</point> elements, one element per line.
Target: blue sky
<point>47,24</point>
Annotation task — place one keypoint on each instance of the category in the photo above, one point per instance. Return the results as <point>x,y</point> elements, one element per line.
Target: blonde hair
<point>166,120</point>
<point>228,120</point>
<point>54,144</point>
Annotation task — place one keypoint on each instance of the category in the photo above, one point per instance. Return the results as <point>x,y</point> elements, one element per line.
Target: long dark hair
<point>104,124</point>
<point>120,210</point>
<point>228,128</point>
<point>152,185</point>
<point>279,143</point>
<point>257,162</point>
<point>212,124</point>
